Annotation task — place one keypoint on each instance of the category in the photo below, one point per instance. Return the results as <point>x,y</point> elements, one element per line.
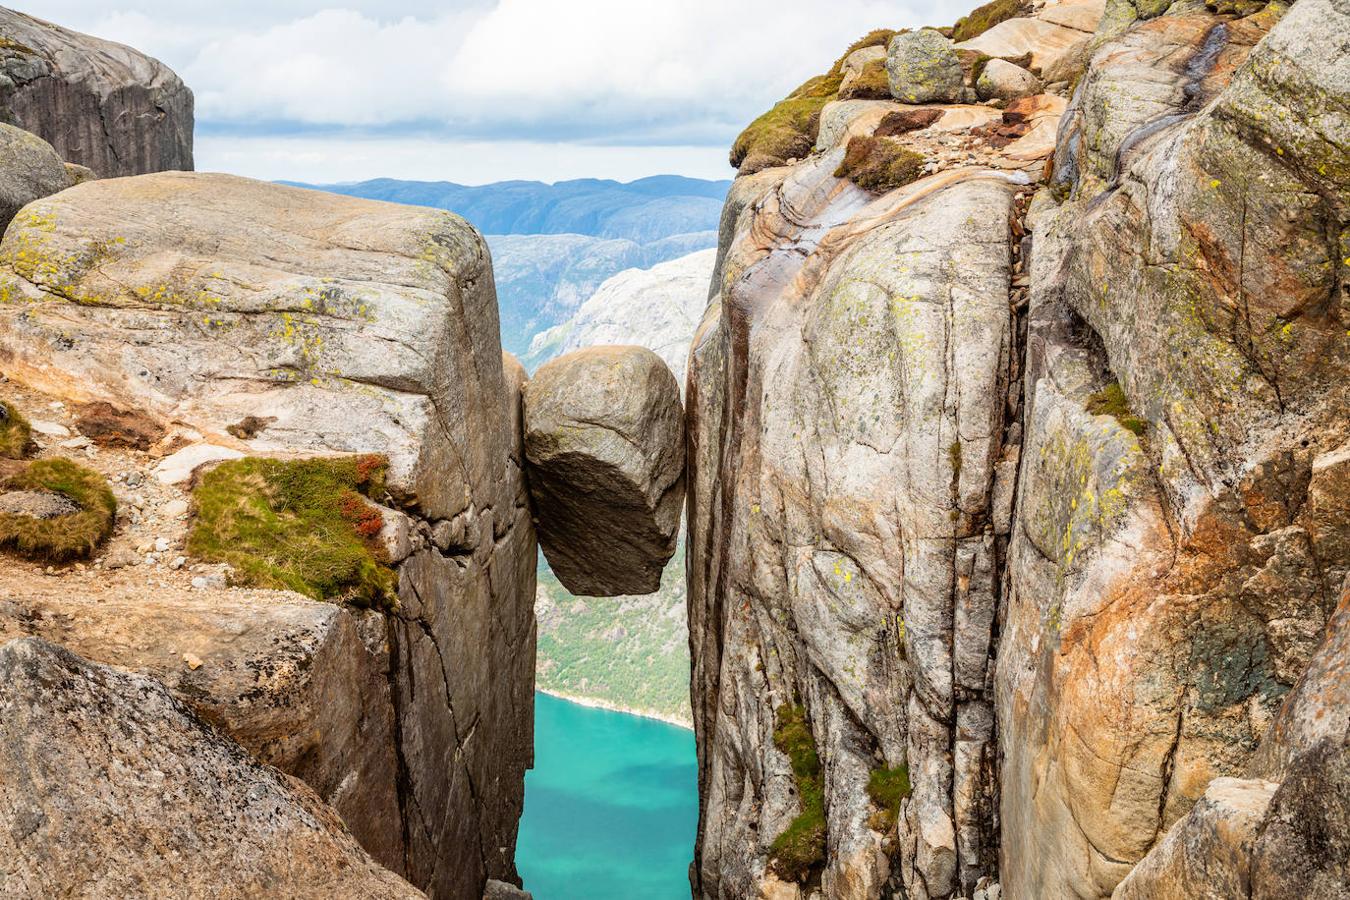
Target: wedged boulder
<point>29,170</point>
<point>107,780</point>
<point>923,67</point>
<point>301,685</point>
<point>604,446</point>
<point>100,104</point>
<point>1181,496</point>
<point>346,327</point>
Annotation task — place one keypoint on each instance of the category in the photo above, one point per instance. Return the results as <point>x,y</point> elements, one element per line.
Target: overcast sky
<point>483,90</point>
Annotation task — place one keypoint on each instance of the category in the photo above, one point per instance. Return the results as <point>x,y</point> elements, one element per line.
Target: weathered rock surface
<point>604,441</point>
<point>100,104</point>
<point>113,784</point>
<point>1168,572</point>
<point>854,352</point>
<point>1002,80</point>
<point>923,68</point>
<point>29,170</point>
<point>301,685</point>
<point>355,327</point>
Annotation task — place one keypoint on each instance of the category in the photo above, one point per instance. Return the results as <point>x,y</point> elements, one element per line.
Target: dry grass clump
<point>906,120</point>
<point>879,164</point>
<point>982,18</point>
<point>62,537</point>
<point>300,525</point>
<point>872,83</point>
<point>16,435</point>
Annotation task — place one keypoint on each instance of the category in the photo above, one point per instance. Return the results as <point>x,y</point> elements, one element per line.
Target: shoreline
<point>614,707</point>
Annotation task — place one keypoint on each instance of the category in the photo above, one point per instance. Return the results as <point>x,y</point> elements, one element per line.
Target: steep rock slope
<point>220,823</point>
<point>1098,435</point>
<point>100,104</point>
<point>332,325</point>
<point>1173,566</point>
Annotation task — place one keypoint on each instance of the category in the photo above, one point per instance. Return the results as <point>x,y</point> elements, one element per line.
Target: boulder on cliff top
<point>923,68</point>
<point>106,780</point>
<point>100,104</point>
<point>604,445</point>
<point>29,170</point>
<point>357,326</point>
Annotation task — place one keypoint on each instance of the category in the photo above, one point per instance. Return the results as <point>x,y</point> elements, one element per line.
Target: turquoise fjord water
<point>611,806</point>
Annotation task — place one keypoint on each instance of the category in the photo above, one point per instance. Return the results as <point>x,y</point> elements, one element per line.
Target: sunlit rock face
<point>1098,435</point>
<point>1173,566</point>
<point>100,104</point>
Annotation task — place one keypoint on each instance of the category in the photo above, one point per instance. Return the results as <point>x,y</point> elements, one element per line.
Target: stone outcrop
<point>604,444</point>
<point>100,104</point>
<point>337,326</point>
<point>113,784</point>
<point>1174,563</point>
<point>303,686</point>
<point>922,67</point>
<point>1099,435</point>
<point>29,170</point>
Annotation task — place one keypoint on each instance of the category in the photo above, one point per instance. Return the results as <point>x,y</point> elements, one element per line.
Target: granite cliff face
<point>1018,463</point>
<point>100,104</point>
<point>253,320</point>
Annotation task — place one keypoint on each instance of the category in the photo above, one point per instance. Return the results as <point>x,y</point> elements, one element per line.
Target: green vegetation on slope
<point>789,129</point>
<point>985,17</point>
<point>300,525</point>
<point>801,846</point>
<point>888,786</point>
<point>61,537</point>
<point>629,652</point>
<point>1111,401</point>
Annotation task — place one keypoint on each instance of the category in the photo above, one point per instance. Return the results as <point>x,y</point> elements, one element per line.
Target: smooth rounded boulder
<point>604,448</point>
<point>29,170</point>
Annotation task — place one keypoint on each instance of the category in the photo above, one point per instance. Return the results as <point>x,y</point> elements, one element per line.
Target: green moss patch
<point>887,787</point>
<point>985,17</point>
<point>58,538</point>
<point>1111,401</point>
<point>879,164</point>
<point>300,525</point>
<point>16,436</point>
<point>872,83</point>
<point>789,130</point>
<point>800,849</point>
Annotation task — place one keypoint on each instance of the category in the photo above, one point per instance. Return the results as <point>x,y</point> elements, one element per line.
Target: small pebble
<point>192,662</point>
<point>178,563</point>
<point>175,508</point>
<point>161,544</point>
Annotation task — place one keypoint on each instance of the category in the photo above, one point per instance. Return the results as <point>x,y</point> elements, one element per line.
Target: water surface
<point>610,808</point>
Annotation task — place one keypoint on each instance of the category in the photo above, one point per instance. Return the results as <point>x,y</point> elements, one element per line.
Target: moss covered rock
<point>922,67</point>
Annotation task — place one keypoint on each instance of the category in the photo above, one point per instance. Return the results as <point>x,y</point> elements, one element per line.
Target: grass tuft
<point>1111,401</point>
<point>16,436</point>
<point>887,787</point>
<point>300,525</point>
<point>66,537</point>
<point>801,846</point>
<point>879,164</point>
<point>982,18</point>
<point>872,83</point>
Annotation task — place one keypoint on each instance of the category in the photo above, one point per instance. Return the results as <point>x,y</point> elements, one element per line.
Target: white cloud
<point>534,72</point>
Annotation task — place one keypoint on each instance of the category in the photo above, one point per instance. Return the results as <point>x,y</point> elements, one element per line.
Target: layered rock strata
<point>101,104</point>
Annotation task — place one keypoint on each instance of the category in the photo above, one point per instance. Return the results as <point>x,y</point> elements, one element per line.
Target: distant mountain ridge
<point>645,210</point>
